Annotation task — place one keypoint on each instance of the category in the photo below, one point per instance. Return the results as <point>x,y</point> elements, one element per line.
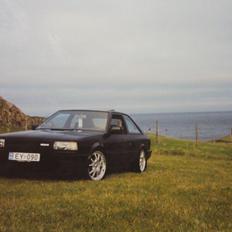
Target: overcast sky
<point>133,56</point>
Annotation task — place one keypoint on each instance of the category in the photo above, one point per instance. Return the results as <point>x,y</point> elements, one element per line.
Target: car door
<point>116,144</point>
<point>134,138</point>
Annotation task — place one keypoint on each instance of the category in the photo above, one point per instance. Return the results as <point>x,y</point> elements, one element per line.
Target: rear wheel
<point>97,166</point>
<point>140,164</point>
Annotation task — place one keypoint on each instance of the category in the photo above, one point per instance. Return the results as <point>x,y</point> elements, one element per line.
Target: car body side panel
<point>115,146</point>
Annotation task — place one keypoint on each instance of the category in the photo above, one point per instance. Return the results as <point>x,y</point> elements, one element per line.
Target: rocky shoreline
<point>11,117</point>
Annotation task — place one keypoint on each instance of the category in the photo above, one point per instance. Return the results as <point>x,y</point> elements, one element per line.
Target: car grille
<point>30,146</point>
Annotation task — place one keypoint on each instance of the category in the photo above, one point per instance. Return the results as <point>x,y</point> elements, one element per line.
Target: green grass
<point>185,188</point>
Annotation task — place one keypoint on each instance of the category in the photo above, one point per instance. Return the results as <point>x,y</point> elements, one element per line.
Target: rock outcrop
<point>11,117</point>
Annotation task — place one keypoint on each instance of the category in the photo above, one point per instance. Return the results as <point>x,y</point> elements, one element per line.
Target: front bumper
<point>50,159</point>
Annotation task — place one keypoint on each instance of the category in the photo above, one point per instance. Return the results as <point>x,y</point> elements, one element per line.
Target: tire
<point>140,165</point>
<point>96,166</point>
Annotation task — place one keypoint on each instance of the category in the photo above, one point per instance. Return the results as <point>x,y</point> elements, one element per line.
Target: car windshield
<point>76,120</point>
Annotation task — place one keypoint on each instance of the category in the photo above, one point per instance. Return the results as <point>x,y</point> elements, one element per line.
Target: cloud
<point>138,56</point>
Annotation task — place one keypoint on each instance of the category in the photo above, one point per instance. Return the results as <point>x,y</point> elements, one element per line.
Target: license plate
<point>24,157</point>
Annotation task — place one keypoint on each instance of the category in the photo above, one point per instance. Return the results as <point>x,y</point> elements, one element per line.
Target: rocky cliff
<point>11,117</point>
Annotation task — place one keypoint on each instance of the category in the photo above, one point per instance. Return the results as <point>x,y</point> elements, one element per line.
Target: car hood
<point>50,135</point>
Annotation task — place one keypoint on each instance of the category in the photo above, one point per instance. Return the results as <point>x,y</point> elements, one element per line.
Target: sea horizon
<point>211,125</point>
<point>184,112</point>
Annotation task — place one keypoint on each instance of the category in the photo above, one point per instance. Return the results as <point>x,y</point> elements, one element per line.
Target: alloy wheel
<point>142,161</point>
<point>96,166</point>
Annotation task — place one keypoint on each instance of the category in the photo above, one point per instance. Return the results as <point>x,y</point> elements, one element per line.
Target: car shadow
<point>38,176</point>
<point>53,174</point>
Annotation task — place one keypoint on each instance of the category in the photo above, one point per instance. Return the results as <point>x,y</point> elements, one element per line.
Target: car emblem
<point>44,145</point>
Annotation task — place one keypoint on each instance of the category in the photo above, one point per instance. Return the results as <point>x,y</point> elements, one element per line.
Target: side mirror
<point>115,129</point>
<point>33,127</point>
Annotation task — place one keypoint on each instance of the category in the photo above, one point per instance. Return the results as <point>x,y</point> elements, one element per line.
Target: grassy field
<point>185,188</point>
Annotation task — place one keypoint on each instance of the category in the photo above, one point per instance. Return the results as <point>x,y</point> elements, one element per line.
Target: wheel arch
<point>98,146</point>
<point>142,147</point>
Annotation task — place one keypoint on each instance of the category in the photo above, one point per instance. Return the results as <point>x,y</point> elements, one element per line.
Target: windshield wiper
<point>68,129</point>
<point>58,129</point>
<point>83,129</point>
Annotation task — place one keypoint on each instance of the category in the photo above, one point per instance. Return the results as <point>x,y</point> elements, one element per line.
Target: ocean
<point>212,125</point>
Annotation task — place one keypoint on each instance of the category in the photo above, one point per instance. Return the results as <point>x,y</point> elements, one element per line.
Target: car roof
<point>106,111</point>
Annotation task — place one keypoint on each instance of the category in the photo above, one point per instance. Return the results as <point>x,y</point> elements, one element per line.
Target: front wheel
<point>140,164</point>
<point>97,165</point>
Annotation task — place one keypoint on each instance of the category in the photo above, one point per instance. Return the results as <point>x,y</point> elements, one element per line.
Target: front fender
<point>97,145</point>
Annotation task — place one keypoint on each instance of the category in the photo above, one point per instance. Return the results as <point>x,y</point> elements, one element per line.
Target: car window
<point>58,121</point>
<point>131,127</point>
<point>72,120</point>
<point>89,121</point>
<point>77,121</point>
<point>99,122</point>
<point>117,120</point>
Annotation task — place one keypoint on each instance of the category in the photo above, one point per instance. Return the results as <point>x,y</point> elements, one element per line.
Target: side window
<point>117,120</point>
<point>131,127</point>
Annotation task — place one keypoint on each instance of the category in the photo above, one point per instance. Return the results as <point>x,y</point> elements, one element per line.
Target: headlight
<point>2,143</point>
<point>65,146</point>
